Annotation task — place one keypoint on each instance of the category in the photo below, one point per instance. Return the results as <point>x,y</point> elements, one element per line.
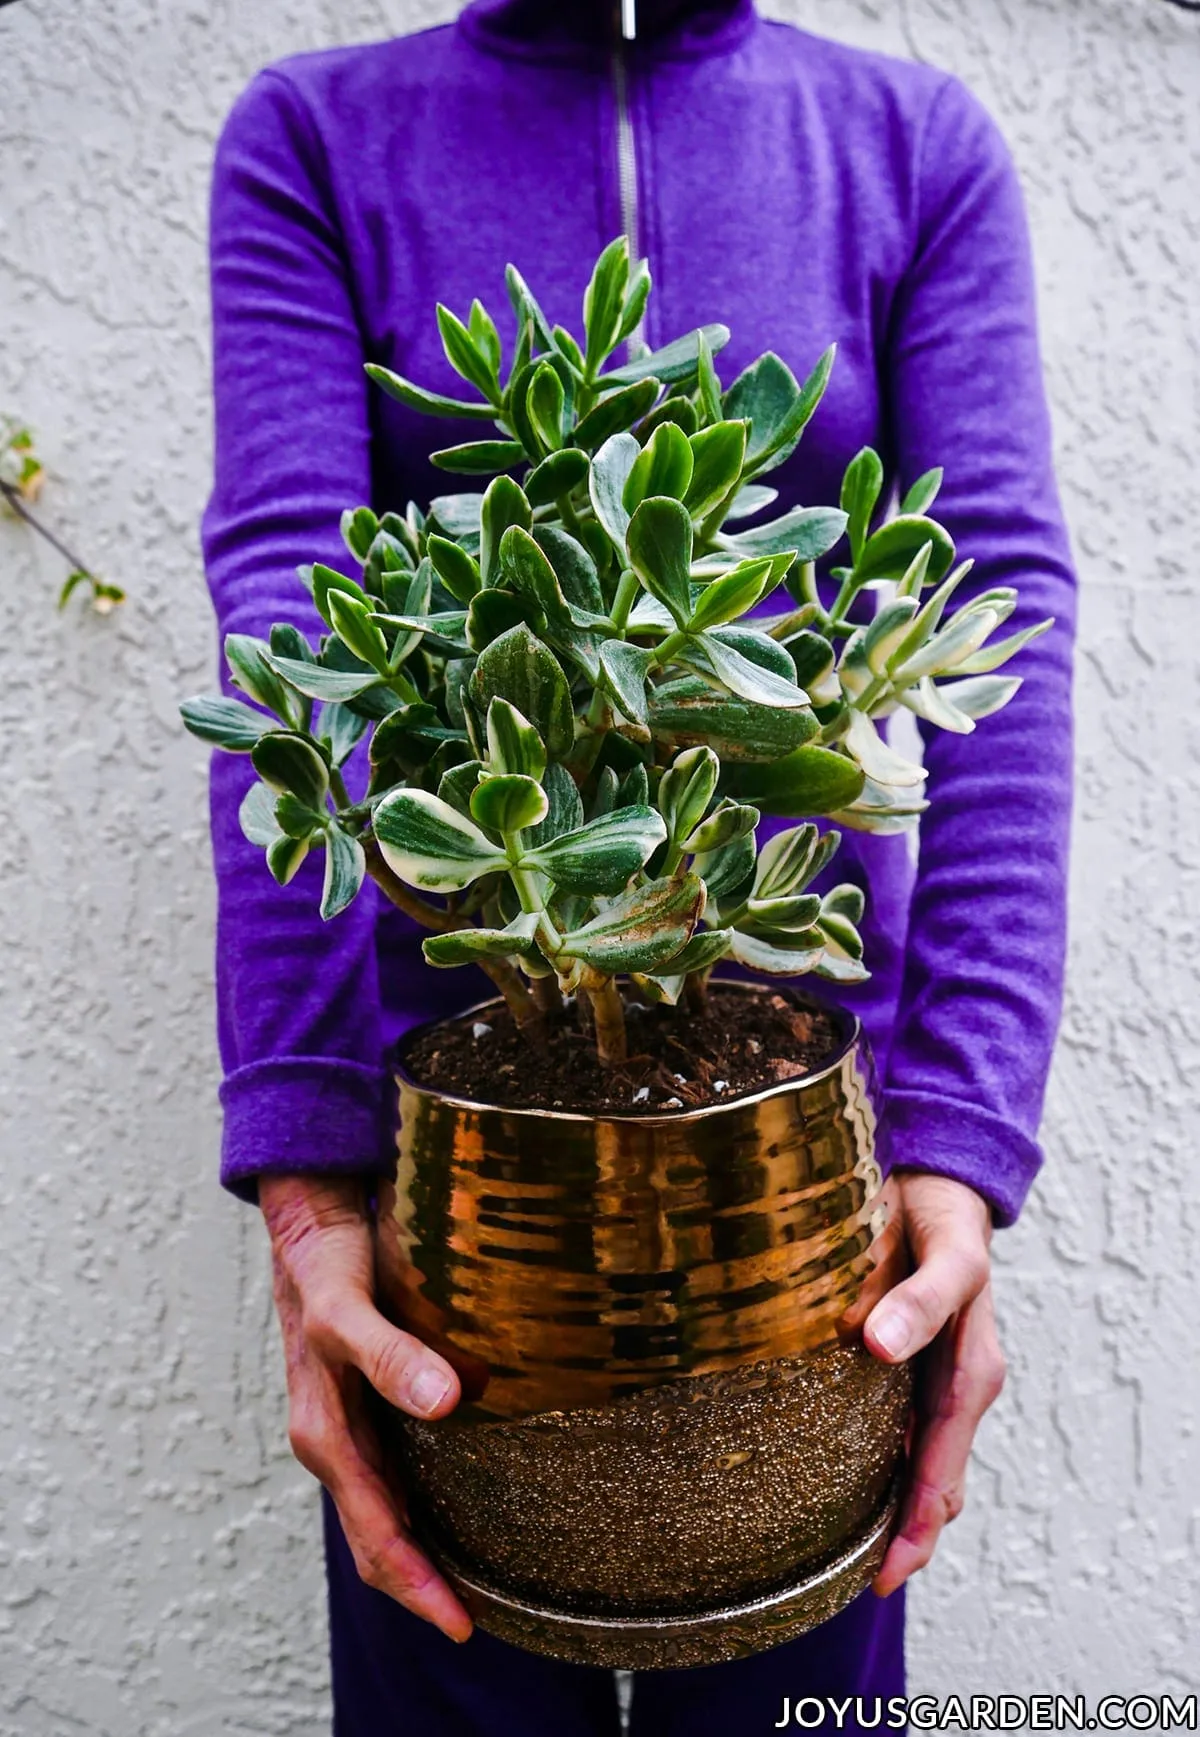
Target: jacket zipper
<point>627,174</point>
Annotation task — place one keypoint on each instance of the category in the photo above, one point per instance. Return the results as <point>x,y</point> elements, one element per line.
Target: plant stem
<point>13,499</point>
<point>548,996</point>
<point>628,586</point>
<point>521,1004</point>
<point>609,1015</point>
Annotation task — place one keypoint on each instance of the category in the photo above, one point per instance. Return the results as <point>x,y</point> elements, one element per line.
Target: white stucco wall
<point>159,1570</point>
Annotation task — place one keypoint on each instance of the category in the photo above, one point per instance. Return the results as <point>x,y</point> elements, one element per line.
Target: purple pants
<point>395,1676</point>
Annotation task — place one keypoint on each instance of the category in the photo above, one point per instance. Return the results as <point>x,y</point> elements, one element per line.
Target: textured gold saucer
<point>668,1415</point>
<point>678,1642</point>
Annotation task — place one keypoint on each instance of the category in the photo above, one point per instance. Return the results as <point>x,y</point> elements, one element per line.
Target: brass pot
<point>672,1447</point>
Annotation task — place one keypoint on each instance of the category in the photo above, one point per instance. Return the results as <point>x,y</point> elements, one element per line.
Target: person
<point>801,192</point>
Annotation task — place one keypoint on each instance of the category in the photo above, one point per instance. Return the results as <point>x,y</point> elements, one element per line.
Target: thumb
<point>953,1270</point>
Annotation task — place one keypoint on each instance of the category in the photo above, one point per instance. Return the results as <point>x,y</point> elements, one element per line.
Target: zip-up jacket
<point>802,193</point>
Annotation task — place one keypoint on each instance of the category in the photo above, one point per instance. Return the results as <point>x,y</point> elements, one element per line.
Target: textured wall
<point>158,1552</point>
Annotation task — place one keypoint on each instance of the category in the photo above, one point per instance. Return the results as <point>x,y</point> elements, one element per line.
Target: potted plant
<point>636,1204</point>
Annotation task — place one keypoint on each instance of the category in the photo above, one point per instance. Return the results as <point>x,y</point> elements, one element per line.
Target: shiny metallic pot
<point>672,1447</point>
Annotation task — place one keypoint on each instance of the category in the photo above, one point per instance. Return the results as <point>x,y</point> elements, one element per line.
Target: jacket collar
<point>583,30</point>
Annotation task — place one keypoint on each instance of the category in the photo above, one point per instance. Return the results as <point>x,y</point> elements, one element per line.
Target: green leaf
<point>256,815</point>
<point>457,570</point>
<point>623,671</point>
<point>351,621</point>
<point>513,743</point>
<point>429,844</point>
<point>340,729</point>
<point>677,409</point>
<point>599,858</point>
<point>641,930</point>
<point>479,457</point>
<point>686,789</point>
<point>467,946</point>
<point>726,870</point>
<point>284,857</point>
<point>484,335</point>
<point>813,658</point>
<point>565,813</point>
<point>457,786</point>
<point>545,405</point>
<point>962,636</point>
<point>227,723</point>
<point>320,683</point>
<point>689,710</point>
<point>522,670</point>
<point>660,553</point>
<point>790,860</point>
<point>503,505</point>
<point>990,657</point>
<point>862,486</point>
<point>296,818</point>
<point>809,531</point>
<point>778,409</point>
<point>291,762</point>
<point>574,567</point>
<point>674,362</point>
<point>465,356</point>
<point>923,492</point>
<point>708,383</point>
<point>761,955</point>
<point>359,527</point>
<point>556,476</point>
<point>604,303</point>
<point>526,570</point>
<point>980,696</point>
<point>751,499</point>
<point>727,822</point>
<point>525,306</point>
<point>635,298</point>
<point>327,580</point>
<point>743,676</point>
<point>717,457</point>
<point>493,613</point>
<point>890,550</point>
<point>809,780</point>
<point>663,467</point>
<point>615,412</point>
<point>345,868</point>
<point>508,803</point>
<point>794,914</point>
<point>458,516</point>
<point>729,597</point>
<point>431,403</point>
<point>610,472</point>
<point>882,810</point>
<point>887,631</point>
<point>253,670</point>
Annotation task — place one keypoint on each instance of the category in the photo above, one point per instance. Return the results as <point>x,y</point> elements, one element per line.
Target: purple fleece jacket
<point>797,190</point>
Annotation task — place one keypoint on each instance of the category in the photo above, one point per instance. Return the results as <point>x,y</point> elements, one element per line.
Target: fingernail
<point>430,1386</point>
<point>892,1333</point>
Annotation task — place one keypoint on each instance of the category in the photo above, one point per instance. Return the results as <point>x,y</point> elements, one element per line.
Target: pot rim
<point>850,1022</point>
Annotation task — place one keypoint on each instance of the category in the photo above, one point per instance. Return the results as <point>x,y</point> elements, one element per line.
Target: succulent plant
<point>577,707</point>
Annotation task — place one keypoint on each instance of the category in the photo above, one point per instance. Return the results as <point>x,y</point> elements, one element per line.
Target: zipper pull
<point>629,20</point>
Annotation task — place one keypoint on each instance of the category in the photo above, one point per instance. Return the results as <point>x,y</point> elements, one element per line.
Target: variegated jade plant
<point>574,720</point>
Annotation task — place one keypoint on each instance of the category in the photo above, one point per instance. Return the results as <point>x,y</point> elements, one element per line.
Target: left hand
<point>944,1310</point>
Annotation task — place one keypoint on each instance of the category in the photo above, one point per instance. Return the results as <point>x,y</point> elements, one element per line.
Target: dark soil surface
<point>679,1058</point>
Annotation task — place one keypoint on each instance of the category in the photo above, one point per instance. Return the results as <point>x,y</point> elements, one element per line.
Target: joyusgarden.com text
<point>989,1713</point>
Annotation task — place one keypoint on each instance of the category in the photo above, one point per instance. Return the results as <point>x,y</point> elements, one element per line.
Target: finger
<point>346,1325</point>
<point>951,1273</point>
<point>937,1480</point>
<point>385,1554</point>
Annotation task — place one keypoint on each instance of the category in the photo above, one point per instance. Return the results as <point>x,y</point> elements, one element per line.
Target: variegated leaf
<point>431,845</point>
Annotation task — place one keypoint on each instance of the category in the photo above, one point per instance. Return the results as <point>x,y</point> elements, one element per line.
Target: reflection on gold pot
<point>672,1447</point>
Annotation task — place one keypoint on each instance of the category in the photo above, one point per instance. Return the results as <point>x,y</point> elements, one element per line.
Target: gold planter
<point>672,1447</point>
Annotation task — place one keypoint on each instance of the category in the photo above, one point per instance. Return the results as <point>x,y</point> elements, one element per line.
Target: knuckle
<point>975,1268</point>
<point>388,1363</point>
<point>953,1502</point>
<point>308,1437</point>
<point>993,1376</point>
<point>322,1318</point>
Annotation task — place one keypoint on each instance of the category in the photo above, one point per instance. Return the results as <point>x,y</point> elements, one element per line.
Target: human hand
<point>944,1310</point>
<point>335,1340</point>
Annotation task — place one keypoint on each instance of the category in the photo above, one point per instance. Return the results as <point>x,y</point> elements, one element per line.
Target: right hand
<point>334,1340</point>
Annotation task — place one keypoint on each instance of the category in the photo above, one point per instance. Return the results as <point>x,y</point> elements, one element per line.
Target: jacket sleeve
<point>982,987</point>
<point>298,1001</point>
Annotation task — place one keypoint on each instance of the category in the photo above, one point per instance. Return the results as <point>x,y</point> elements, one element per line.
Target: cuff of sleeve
<point>304,1114</point>
<point>975,1146</point>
